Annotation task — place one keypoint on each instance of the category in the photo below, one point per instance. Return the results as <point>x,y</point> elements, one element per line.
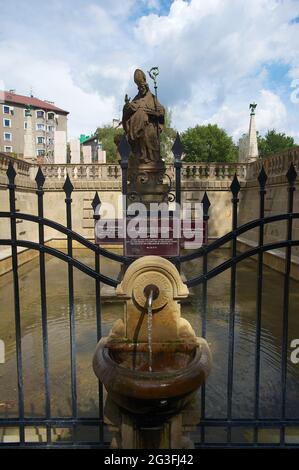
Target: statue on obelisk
<point>253,152</point>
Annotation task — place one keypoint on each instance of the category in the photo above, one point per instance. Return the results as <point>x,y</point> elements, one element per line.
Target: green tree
<point>208,144</point>
<point>274,142</point>
<point>107,136</point>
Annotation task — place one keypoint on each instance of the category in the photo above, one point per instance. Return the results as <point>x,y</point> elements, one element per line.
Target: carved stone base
<point>148,183</point>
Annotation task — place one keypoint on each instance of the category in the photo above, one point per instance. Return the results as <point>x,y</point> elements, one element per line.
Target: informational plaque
<point>154,236</point>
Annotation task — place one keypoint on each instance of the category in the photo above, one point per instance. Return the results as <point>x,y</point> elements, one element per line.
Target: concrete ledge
<point>274,259</point>
<point>24,256</point>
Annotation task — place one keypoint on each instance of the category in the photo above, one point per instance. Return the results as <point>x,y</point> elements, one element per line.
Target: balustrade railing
<point>21,166</point>
<point>275,165</point>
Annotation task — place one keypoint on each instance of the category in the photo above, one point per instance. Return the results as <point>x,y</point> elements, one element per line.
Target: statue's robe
<point>143,120</point>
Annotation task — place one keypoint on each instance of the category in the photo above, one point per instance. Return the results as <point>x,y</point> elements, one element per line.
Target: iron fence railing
<point>229,423</point>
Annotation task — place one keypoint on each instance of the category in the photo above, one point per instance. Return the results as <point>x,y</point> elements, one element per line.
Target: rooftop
<point>31,101</point>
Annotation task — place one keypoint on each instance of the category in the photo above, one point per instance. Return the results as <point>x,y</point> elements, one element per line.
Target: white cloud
<point>214,56</point>
<point>54,80</point>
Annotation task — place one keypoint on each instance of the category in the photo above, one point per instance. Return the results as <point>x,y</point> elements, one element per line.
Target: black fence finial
<point>96,201</point>
<point>68,187</point>
<point>205,204</point>
<point>235,186</point>
<point>40,178</point>
<point>124,149</point>
<point>262,177</point>
<point>177,148</point>
<point>291,174</point>
<point>11,173</point>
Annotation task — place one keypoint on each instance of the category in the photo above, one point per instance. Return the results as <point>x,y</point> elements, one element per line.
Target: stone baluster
<point>212,171</point>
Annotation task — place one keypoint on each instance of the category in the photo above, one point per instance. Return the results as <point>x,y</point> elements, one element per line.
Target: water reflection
<point>85,313</point>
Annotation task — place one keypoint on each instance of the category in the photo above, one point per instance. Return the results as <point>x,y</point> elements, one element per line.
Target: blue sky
<point>215,57</point>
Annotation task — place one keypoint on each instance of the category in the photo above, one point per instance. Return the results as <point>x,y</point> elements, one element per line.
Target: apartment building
<point>31,127</point>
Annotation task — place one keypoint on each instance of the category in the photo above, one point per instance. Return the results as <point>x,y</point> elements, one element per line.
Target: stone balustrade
<point>82,172</point>
<point>112,172</point>
<point>21,166</point>
<point>276,167</point>
<point>214,171</point>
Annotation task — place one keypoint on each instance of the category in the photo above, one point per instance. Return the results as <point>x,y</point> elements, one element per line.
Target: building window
<point>6,122</point>
<point>40,114</point>
<point>40,140</point>
<point>8,136</point>
<point>51,116</point>
<point>27,112</point>
<point>6,109</point>
<point>51,128</point>
<point>40,127</point>
<point>40,153</point>
<point>8,149</point>
<point>25,125</point>
<point>50,141</point>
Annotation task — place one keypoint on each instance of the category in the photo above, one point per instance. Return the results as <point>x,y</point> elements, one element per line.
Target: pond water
<point>85,314</point>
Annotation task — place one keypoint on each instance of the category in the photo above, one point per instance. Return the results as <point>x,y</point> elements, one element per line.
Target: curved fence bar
<point>233,261</point>
<point>64,257</point>
<point>235,233</point>
<point>66,231</point>
<point>204,250</point>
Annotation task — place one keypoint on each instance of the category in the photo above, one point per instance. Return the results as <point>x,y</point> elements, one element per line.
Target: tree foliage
<point>107,136</point>
<point>274,142</point>
<point>208,144</point>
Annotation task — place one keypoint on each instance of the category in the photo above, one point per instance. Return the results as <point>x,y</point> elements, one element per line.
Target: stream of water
<point>150,330</point>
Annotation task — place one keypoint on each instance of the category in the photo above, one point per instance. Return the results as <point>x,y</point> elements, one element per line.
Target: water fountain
<point>152,363</point>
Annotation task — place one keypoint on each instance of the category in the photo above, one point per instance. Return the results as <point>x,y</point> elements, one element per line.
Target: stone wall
<point>276,198</point>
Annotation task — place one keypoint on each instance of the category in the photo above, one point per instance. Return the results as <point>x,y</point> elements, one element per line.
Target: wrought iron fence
<point>49,421</point>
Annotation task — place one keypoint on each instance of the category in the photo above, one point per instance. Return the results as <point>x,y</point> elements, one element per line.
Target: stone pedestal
<point>86,154</point>
<point>60,147</point>
<point>129,433</point>
<point>75,151</point>
<point>147,182</point>
<point>101,156</point>
<point>29,142</point>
